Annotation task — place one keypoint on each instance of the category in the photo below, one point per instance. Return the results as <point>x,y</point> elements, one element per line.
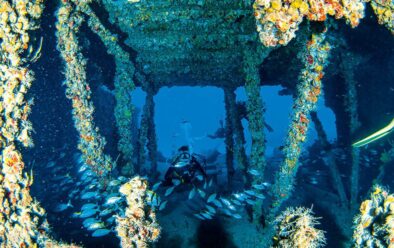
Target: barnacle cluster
<point>295,228</point>
<point>309,89</point>
<point>374,226</point>
<point>138,227</point>
<point>91,143</point>
<point>278,20</point>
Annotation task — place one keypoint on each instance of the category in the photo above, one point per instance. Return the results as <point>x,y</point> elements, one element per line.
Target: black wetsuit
<point>184,173</point>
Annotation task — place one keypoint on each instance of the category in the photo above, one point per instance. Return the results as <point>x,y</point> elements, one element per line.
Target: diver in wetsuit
<point>184,167</point>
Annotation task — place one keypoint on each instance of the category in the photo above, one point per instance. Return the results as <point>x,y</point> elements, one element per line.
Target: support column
<point>229,101</point>
<point>348,64</point>
<point>152,139</point>
<point>330,160</point>
<point>147,134</point>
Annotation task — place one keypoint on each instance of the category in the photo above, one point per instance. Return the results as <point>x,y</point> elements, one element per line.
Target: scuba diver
<point>184,167</point>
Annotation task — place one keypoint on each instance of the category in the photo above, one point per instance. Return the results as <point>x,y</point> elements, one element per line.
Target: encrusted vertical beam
<point>309,88</point>
<point>91,143</point>
<point>229,103</point>
<point>348,64</point>
<point>330,159</point>
<point>147,133</point>
<point>152,139</point>
<point>124,85</point>
<point>255,109</point>
<point>21,216</point>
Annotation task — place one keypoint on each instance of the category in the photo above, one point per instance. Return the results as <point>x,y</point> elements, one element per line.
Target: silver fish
<point>176,182</point>
<point>254,172</point>
<point>114,183</point>
<point>156,186</point>
<point>210,209</point>
<point>89,221</point>
<point>206,215</point>
<point>260,196</point>
<point>200,177</point>
<point>211,198</point>
<point>258,186</point>
<point>198,216</point>
<point>105,212</point>
<point>112,200</point>
<point>163,205</point>
<point>202,193</point>
<point>88,206</point>
<point>192,193</point>
<point>62,207</point>
<point>236,202</point>
<point>210,183</point>
<point>95,226</point>
<point>88,213</point>
<point>169,191</point>
<point>100,232</point>
<point>217,203</point>
<point>236,216</point>
<point>89,195</point>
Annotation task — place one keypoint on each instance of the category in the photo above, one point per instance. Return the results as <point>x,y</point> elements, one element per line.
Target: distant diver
<point>184,167</point>
<point>376,135</point>
<point>220,133</point>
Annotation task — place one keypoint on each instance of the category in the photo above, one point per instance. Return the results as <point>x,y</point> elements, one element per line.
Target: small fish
<point>62,207</point>
<point>192,193</point>
<point>200,177</point>
<point>205,185</point>
<point>88,206</point>
<point>240,196</point>
<point>89,221</point>
<point>225,201</point>
<point>250,202</point>
<point>258,186</point>
<point>250,192</point>
<point>100,232</point>
<point>105,212</point>
<point>163,205</point>
<point>210,209</point>
<point>95,226</point>
<point>176,182</point>
<point>202,193</point>
<point>114,183</point>
<point>156,186</point>
<point>111,220</point>
<point>206,215</point>
<point>88,213</point>
<point>236,202</point>
<point>254,172</point>
<point>260,196</point>
<point>198,216</point>
<point>50,164</point>
<point>210,183</point>
<point>211,198</point>
<point>169,191</point>
<point>89,195</point>
<point>217,203</point>
<point>236,216</point>
<point>112,200</point>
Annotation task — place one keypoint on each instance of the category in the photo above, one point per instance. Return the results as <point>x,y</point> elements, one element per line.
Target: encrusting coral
<point>374,226</point>
<point>309,89</point>
<point>91,143</point>
<point>22,221</point>
<point>139,226</point>
<point>278,20</point>
<point>295,228</point>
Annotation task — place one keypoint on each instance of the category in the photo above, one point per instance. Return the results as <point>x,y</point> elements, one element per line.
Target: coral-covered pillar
<point>229,102</point>
<point>309,89</point>
<point>348,64</point>
<point>147,133</point>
